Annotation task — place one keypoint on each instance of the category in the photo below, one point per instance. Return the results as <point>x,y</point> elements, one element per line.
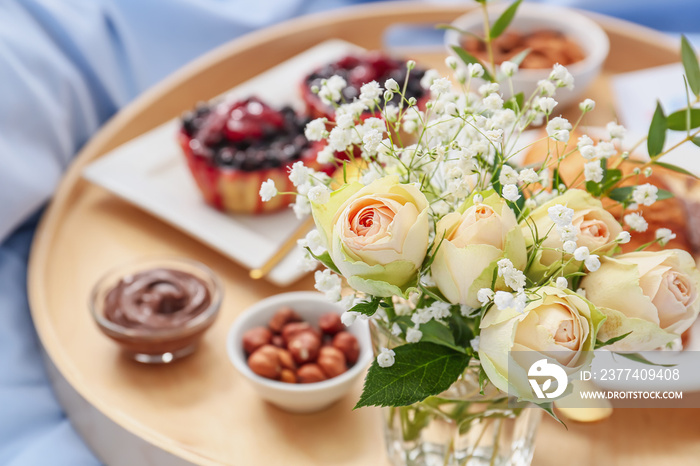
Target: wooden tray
<point>199,410</point>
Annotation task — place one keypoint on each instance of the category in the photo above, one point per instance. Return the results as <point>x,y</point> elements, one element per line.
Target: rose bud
<point>255,338</point>
<point>265,362</point>
<point>310,373</point>
<point>282,318</point>
<point>330,323</point>
<point>332,361</point>
<point>304,347</point>
<point>347,343</point>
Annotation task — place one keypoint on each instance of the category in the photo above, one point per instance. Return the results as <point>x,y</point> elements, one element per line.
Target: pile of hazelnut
<point>293,351</point>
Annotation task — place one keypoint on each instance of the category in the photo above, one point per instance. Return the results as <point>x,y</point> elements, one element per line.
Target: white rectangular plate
<point>150,172</point>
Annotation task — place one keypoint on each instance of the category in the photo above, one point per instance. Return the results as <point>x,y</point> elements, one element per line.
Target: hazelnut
<point>286,359</point>
<point>304,347</point>
<point>278,341</point>
<point>265,362</point>
<point>310,373</point>
<point>330,323</point>
<point>293,329</point>
<point>288,376</point>
<point>282,318</point>
<point>347,343</point>
<point>255,338</point>
<point>332,361</point>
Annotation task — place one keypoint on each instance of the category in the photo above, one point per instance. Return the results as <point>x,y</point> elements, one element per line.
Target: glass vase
<point>459,427</point>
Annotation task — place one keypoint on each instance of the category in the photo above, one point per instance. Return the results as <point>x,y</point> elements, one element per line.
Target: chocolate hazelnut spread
<point>156,299</point>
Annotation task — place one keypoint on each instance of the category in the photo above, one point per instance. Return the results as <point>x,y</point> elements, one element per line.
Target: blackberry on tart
<point>359,69</point>
<point>232,147</point>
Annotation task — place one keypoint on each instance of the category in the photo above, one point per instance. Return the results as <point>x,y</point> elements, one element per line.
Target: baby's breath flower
<point>475,70</point>
<point>331,89</point>
<point>306,263</point>
<point>488,88</point>
<point>511,193</point>
<point>299,173</point>
<point>313,241</point>
<point>561,76</point>
<point>301,207</point>
<point>348,317</point>
<point>451,62</point>
<point>339,139</point>
<point>474,343</point>
<point>636,222</point>
<point>509,68</point>
<point>593,171</point>
<point>391,85</point>
<point>558,129</point>
<point>545,105</point>
<point>616,131</point>
<point>428,77</point>
<point>508,175</point>
<point>391,113</point>
<point>319,194</point>
<point>268,190</point>
<point>569,247</point>
<point>371,141</point>
<point>588,152</point>
<point>581,254</point>
<point>328,283</point>
<point>395,330</point>
<point>546,87</point>
<point>605,149</point>
<point>410,64</point>
<point>648,172</point>
<point>385,358</point>
<point>561,215</point>
<point>528,176</point>
<point>345,121</point>
<point>568,232</point>
<point>493,102</point>
<point>440,86</point>
<point>413,335</point>
<point>503,300</point>
<point>326,155</point>
<point>316,129</point>
<point>623,237</point>
<point>664,235</point>
<point>587,105</point>
<point>645,194</point>
<point>584,141</point>
<point>370,92</point>
<point>561,283</point>
<point>478,198</point>
<point>461,75</point>
<point>592,263</point>
<point>484,295</point>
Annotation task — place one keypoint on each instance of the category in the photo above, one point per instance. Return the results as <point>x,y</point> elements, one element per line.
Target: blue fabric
<point>65,68</point>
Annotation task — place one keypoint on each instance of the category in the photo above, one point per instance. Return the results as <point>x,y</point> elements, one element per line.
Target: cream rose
<point>377,235</point>
<point>558,324</point>
<point>652,294</point>
<point>596,228</point>
<point>474,240</point>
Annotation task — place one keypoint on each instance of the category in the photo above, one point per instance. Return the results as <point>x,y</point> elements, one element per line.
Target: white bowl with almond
<point>296,352</point>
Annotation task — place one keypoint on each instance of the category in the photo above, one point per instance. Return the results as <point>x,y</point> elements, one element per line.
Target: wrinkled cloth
<point>65,68</point>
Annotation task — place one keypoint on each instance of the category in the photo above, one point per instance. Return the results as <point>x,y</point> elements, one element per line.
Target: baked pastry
<point>232,147</point>
<point>358,70</point>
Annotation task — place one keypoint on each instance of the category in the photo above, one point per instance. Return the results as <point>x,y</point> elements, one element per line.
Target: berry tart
<point>233,146</point>
<point>358,70</point>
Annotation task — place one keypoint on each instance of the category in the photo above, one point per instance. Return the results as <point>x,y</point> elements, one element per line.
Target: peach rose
<point>652,294</point>
<point>377,235</point>
<point>474,241</point>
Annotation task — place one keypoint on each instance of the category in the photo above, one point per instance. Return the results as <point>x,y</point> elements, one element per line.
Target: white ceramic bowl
<point>531,17</point>
<point>297,398</point>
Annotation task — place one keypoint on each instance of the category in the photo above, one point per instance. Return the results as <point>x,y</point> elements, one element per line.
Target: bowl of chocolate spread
<point>157,309</point>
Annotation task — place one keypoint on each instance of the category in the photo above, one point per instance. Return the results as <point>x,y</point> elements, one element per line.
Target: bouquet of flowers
<point>465,257</point>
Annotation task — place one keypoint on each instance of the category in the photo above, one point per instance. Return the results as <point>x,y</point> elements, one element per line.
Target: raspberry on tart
<point>358,70</point>
<point>232,147</point>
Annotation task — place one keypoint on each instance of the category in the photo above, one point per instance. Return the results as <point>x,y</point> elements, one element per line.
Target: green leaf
<point>518,59</point>
<point>468,58</point>
<point>325,259</point>
<point>440,334</point>
<point>557,179</point>
<point>611,177</point>
<point>678,121</point>
<point>690,63</point>
<point>636,357</point>
<point>696,141</point>
<point>433,292</point>
<point>461,31</point>
<point>549,409</point>
<point>516,102</point>
<point>600,344</point>
<point>461,332</point>
<point>504,20</point>
<point>676,168</point>
<point>420,370</point>
<point>367,308</point>
<point>657,131</point>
